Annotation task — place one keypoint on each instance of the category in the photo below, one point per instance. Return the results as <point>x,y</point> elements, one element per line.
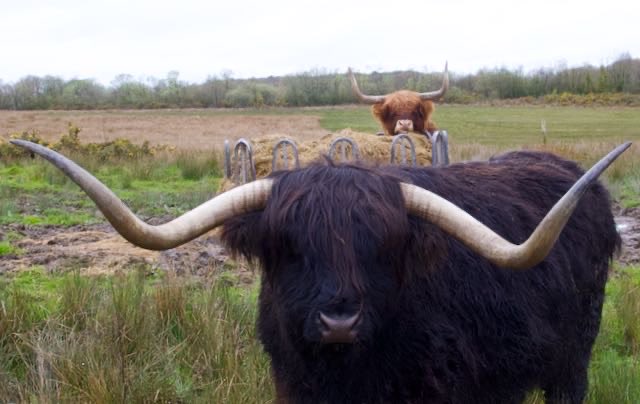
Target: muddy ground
<point>96,249</point>
<point>628,221</point>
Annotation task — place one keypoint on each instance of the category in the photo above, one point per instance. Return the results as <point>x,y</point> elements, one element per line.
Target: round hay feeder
<point>248,160</point>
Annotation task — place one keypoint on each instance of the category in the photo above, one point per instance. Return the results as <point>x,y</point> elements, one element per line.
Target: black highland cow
<point>368,297</point>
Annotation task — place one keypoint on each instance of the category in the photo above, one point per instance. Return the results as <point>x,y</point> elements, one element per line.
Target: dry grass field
<point>186,129</point>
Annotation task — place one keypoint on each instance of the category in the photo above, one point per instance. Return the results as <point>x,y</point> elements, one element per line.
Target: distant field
<point>486,125</point>
<point>511,126</point>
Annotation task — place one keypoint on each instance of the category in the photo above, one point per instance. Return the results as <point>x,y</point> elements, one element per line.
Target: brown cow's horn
<point>487,243</point>
<point>435,95</point>
<point>246,198</point>
<point>367,99</point>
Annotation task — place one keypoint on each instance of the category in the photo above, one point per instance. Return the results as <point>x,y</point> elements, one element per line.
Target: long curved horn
<point>435,95</point>
<point>486,242</point>
<point>246,198</point>
<point>367,99</point>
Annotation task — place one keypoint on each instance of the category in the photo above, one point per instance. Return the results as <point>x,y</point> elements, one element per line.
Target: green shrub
<point>70,145</point>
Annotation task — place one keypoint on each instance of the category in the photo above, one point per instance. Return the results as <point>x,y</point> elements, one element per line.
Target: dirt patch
<point>97,249</point>
<point>628,222</point>
<point>186,129</point>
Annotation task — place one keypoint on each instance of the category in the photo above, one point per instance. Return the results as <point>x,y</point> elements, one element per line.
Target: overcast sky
<point>251,38</point>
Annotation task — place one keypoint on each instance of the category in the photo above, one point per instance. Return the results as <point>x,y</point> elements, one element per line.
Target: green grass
<point>34,193</point>
<point>7,244</point>
<point>507,126</point>
<point>7,248</point>
<point>630,189</point>
<point>615,367</point>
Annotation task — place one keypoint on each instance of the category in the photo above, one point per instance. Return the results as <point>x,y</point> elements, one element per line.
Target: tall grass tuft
<point>78,298</point>
<point>131,338</point>
<point>615,364</point>
<point>613,378</point>
<point>196,165</point>
<point>628,306</point>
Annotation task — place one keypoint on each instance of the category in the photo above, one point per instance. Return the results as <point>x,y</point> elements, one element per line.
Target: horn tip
<point>623,147</point>
<point>23,143</point>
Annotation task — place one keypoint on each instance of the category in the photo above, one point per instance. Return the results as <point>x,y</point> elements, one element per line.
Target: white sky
<point>259,38</point>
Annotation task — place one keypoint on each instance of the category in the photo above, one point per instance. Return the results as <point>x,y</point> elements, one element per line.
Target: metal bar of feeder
<point>403,141</point>
<point>440,148</point>
<point>280,148</point>
<point>247,168</point>
<point>343,142</point>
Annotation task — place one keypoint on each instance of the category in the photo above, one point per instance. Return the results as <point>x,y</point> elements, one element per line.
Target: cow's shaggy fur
<point>439,323</point>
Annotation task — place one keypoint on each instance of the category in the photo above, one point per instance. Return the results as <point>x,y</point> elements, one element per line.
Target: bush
<point>70,144</point>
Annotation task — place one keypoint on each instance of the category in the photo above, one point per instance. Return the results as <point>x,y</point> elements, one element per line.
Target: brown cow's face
<point>404,111</point>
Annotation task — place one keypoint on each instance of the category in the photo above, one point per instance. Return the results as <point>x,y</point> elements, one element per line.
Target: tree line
<point>313,88</point>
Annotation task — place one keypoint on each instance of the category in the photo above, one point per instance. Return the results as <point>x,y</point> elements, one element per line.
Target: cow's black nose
<point>339,329</point>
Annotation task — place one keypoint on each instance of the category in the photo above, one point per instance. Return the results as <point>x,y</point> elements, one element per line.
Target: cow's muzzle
<point>404,126</point>
<point>339,329</point>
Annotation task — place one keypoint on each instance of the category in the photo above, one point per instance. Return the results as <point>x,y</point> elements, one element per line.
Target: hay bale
<point>372,148</point>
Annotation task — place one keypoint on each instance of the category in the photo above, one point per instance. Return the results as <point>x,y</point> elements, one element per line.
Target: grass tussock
<point>129,338</point>
<point>615,364</point>
<point>628,306</point>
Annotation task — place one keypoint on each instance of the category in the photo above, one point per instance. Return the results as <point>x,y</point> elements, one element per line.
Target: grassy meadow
<point>148,335</point>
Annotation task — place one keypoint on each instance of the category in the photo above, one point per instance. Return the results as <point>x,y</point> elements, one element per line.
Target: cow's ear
<point>381,111</point>
<point>241,235</point>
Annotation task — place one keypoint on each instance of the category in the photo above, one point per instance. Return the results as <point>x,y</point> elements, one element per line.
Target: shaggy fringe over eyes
<point>336,213</point>
<point>332,212</point>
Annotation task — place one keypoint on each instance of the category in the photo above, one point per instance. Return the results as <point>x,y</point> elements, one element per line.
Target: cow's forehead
<point>335,207</point>
<point>402,100</point>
